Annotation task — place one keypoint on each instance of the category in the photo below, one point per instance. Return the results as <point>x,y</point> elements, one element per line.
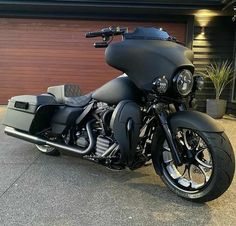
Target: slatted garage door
<point>37,53</point>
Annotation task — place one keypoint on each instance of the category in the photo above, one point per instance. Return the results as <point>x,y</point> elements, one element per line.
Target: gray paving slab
<point>9,173</point>
<point>17,152</point>
<point>66,190</point>
<point>92,198</point>
<point>12,161</point>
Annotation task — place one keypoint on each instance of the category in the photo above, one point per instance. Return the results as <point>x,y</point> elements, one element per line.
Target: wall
<point>37,53</point>
<point>232,106</point>
<point>216,44</point>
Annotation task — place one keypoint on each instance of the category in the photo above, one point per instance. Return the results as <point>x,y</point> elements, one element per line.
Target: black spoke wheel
<point>208,164</point>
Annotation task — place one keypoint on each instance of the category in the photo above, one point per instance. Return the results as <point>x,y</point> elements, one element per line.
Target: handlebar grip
<point>106,32</point>
<point>93,34</point>
<point>100,44</point>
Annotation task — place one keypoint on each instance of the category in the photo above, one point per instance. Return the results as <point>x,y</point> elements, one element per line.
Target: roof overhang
<point>77,8</point>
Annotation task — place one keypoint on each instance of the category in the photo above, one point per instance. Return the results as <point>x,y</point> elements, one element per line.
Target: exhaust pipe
<point>23,136</point>
<point>36,140</point>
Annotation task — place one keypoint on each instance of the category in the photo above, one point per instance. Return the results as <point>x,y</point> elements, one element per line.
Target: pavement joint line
<point>24,171</point>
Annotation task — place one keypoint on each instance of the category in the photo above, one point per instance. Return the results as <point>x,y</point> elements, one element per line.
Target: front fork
<point>162,115</point>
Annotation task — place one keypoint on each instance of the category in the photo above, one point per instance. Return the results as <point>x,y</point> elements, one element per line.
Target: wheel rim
<point>45,148</point>
<point>197,169</point>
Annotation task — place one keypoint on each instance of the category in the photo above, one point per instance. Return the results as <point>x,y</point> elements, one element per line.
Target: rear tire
<point>48,150</point>
<point>222,162</point>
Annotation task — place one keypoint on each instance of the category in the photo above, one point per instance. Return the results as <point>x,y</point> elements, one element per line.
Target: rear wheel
<point>208,164</point>
<point>48,150</point>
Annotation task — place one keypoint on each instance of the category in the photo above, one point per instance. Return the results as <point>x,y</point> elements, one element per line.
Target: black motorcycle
<point>145,114</point>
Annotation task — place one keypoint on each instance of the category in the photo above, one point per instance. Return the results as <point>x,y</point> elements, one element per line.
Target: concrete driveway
<point>41,190</point>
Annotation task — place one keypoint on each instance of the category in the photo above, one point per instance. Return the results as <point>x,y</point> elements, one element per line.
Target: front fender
<point>193,120</point>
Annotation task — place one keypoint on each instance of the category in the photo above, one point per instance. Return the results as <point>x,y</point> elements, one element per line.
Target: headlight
<point>198,82</point>
<point>161,85</point>
<point>184,82</point>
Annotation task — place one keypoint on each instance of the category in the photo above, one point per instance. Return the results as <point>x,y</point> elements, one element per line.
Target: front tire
<point>217,167</point>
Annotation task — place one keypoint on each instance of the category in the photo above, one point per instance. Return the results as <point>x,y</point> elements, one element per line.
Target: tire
<point>222,171</point>
<point>48,150</point>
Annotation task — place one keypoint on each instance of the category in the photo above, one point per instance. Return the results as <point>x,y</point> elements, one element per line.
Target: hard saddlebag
<point>31,114</point>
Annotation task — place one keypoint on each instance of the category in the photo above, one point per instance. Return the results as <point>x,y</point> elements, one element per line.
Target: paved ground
<point>41,190</point>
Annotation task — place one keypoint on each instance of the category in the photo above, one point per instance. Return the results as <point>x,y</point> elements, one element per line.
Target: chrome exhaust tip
<point>24,136</point>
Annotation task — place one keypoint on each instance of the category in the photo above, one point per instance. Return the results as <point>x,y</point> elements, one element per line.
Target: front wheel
<point>208,164</point>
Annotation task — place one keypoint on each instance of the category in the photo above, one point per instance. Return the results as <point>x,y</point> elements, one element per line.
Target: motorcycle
<point>146,114</point>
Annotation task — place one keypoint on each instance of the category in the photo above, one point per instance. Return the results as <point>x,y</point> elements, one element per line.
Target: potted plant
<point>221,74</point>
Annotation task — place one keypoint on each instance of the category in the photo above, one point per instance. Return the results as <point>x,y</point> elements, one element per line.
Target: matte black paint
<point>193,120</point>
<point>118,89</point>
<point>145,60</point>
<point>169,137</point>
<point>126,123</point>
<point>64,117</point>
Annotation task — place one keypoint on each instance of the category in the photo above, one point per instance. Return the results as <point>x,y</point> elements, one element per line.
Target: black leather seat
<point>79,101</point>
<point>70,95</point>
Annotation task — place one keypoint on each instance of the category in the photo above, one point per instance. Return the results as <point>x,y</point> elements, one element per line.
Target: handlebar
<point>107,32</point>
<point>93,34</point>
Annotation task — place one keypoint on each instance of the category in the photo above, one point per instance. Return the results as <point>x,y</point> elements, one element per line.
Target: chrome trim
<point>109,150</point>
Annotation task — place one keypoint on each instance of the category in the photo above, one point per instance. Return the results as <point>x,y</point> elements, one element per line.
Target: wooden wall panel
<point>215,45</point>
<point>37,53</point>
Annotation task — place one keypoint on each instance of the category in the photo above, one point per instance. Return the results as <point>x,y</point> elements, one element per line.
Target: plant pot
<point>216,108</point>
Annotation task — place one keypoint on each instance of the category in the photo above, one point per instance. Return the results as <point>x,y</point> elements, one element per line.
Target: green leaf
<point>221,74</point>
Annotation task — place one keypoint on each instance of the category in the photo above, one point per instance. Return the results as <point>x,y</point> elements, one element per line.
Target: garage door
<point>37,53</point>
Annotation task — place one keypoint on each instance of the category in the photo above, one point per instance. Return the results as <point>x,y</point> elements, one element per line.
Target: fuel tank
<point>116,90</point>
<point>147,54</point>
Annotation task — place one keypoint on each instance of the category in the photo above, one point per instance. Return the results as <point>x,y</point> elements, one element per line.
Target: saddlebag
<point>31,114</point>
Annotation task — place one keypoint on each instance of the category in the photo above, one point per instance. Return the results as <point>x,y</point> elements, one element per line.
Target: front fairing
<point>144,60</point>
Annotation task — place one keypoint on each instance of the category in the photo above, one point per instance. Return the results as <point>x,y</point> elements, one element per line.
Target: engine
<point>82,138</point>
<point>102,131</point>
<point>103,143</point>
